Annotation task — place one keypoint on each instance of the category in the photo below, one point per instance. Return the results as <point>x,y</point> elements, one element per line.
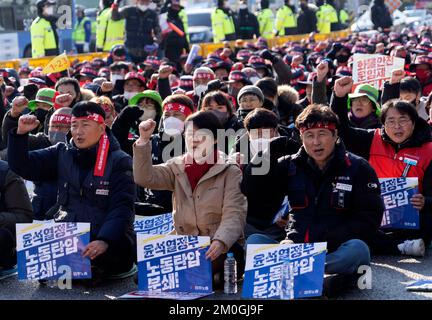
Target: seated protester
<point>405,88</point>
<point>404,134</point>
<point>95,185</point>
<point>71,87</point>
<point>219,103</point>
<point>237,80</point>
<point>321,212</point>
<point>133,83</point>
<point>249,98</point>
<point>108,107</point>
<point>15,208</point>
<point>288,108</point>
<point>45,192</point>
<point>118,71</point>
<point>262,129</point>
<point>201,77</point>
<point>206,188</point>
<point>166,143</point>
<point>364,109</point>
<point>422,67</point>
<point>269,89</point>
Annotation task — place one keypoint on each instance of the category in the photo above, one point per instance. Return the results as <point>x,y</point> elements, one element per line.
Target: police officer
<point>327,17</point>
<point>109,32</point>
<point>43,30</point>
<point>222,23</point>
<point>82,31</point>
<point>266,20</point>
<point>286,22</point>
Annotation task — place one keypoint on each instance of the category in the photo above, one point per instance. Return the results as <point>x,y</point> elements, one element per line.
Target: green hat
<point>45,95</point>
<point>366,90</point>
<point>151,94</point>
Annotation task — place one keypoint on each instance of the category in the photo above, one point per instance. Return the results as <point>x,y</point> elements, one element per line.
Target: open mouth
<point>398,134</point>
<point>319,152</point>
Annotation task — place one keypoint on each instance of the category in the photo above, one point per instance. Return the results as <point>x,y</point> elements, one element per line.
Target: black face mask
<point>41,115</point>
<point>342,58</point>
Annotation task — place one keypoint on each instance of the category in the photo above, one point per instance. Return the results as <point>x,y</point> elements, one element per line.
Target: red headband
<point>319,125</point>
<point>177,107</point>
<point>61,118</point>
<point>94,117</point>
<point>204,75</point>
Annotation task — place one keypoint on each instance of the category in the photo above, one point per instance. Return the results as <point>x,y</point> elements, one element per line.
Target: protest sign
<point>160,224</point>
<point>44,247</point>
<point>169,263</point>
<point>163,295</point>
<point>399,212</point>
<point>263,269</point>
<point>374,69</point>
<point>284,211</point>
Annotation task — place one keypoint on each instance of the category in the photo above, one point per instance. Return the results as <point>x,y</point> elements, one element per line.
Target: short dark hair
<point>119,65</point>
<point>410,84</point>
<point>179,98</point>
<point>316,113</point>
<point>220,98</point>
<point>260,118</point>
<point>403,107</point>
<point>268,86</point>
<point>72,81</point>
<point>85,108</point>
<point>205,120</point>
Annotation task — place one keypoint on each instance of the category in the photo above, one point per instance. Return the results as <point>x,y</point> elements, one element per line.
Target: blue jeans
<point>345,260</point>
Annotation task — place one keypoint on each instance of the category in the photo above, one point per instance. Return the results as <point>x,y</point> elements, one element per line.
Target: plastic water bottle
<point>230,274</point>
<point>287,281</point>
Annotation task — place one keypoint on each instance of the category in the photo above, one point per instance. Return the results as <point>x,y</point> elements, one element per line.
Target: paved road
<point>389,278</point>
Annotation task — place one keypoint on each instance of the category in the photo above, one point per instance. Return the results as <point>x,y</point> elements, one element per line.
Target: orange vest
<point>390,164</point>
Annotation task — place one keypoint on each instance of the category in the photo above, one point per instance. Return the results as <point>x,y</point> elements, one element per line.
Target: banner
<point>374,69</point>
<point>44,247</point>
<point>396,194</point>
<point>164,295</point>
<point>169,263</point>
<point>263,269</point>
<point>57,64</point>
<point>160,224</point>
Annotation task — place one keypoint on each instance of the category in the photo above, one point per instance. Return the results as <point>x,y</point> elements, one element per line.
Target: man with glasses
<point>402,148</point>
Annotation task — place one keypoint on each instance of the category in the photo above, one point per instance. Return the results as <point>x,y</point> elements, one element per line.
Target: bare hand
<point>27,123</point>
<point>397,76</point>
<point>107,86</point>
<point>188,68</point>
<point>418,201</point>
<point>94,249</point>
<point>343,86</point>
<point>287,241</point>
<point>146,129</point>
<point>64,100</point>
<point>216,249</point>
<point>379,48</point>
<point>165,71</point>
<point>19,104</point>
<point>322,70</point>
<point>226,53</point>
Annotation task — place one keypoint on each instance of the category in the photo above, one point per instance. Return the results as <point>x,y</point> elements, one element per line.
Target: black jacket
<point>380,15</point>
<point>306,21</point>
<point>246,24</point>
<point>340,203</point>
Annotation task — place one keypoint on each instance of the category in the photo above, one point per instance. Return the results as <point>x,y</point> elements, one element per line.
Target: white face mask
<point>243,6</point>
<point>260,144</point>
<point>199,90</point>
<point>49,11</point>
<point>173,126</point>
<point>129,95</point>
<point>143,7</point>
<point>115,77</point>
<point>148,114</point>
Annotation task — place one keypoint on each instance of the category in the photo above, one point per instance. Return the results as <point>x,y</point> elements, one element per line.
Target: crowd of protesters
<point>138,134</point>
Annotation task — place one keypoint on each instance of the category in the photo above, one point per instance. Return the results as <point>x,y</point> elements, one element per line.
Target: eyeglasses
<point>251,100</point>
<point>394,123</point>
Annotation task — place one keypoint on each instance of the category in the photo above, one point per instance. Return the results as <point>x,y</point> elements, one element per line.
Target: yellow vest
<point>326,15</point>
<point>42,37</point>
<point>343,16</point>
<point>222,24</point>
<point>78,34</point>
<point>184,19</point>
<point>109,32</point>
<point>285,18</point>
<point>266,23</point>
